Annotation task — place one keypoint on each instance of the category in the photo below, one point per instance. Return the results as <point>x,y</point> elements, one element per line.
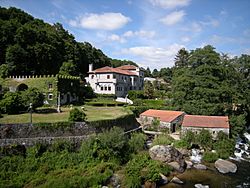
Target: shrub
<point>163,140</point>
<point>204,139</point>
<point>210,157</point>
<point>12,103</point>
<point>136,95</point>
<point>112,144</point>
<point>182,144</point>
<point>224,148</point>
<point>76,115</point>
<point>189,137</point>
<point>137,142</point>
<point>141,168</point>
<point>34,96</point>
<point>222,136</point>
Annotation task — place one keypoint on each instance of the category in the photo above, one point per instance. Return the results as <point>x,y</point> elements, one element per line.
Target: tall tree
<point>181,58</point>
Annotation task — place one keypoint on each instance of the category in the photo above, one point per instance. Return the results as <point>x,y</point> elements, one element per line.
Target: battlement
<point>23,77</point>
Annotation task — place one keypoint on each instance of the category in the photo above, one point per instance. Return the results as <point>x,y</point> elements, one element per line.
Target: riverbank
<point>213,178</point>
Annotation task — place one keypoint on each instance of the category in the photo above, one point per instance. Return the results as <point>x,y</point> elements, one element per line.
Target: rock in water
<point>201,186</point>
<point>176,180</point>
<point>164,179</point>
<point>200,167</point>
<point>168,154</point>
<point>224,166</point>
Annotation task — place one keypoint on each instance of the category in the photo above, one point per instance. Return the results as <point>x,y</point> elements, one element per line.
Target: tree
<point>4,71</point>
<point>32,95</point>
<point>12,103</point>
<point>147,72</point>
<point>68,68</point>
<point>181,59</point>
<point>148,90</point>
<point>238,124</point>
<point>155,73</point>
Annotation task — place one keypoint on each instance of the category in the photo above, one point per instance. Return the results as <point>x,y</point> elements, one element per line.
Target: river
<point>211,177</point>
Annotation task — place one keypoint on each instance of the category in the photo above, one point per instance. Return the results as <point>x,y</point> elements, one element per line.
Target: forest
<point>29,46</point>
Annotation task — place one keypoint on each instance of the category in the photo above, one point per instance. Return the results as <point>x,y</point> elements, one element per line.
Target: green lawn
<point>93,113</point>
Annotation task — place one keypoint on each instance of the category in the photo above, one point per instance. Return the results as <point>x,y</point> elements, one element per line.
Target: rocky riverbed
<point>238,177</point>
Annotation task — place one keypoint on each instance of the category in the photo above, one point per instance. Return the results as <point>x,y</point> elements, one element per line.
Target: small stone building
<point>168,119</point>
<point>214,124</point>
<point>56,88</point>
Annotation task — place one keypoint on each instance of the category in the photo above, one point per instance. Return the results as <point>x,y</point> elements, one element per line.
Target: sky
<point>149,32</point>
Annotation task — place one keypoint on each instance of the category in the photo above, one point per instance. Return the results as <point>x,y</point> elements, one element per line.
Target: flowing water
<point>211,177</point>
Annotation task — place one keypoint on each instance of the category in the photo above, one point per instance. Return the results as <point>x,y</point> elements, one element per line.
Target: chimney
<point>90,67</point>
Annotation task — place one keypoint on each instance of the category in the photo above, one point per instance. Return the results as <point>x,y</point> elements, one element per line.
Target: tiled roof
<point>127,67</point>
<point>113,70</point>
<point>205,121</point>
<point>164,115</point>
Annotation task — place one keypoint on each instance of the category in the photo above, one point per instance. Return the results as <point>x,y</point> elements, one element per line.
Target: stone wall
<point>214,131</point>
<point>40,133</point>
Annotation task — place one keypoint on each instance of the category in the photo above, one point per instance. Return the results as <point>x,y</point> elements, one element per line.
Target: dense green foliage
<point>64,164</point>
<point>163,140</point>
<point>14,103</point>
<point>30,46</point>
<point>76,115</point>
<point>208,83</point>
<point>141,169</point>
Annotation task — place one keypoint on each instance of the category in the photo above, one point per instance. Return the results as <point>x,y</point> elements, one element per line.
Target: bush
<point>141,168</point>
<point>12,103</point>
<point>137,142</point>
<point>136,95</point>
<point>182,144</point>
<point>204,139</point>
<point>34,96</point>
<point>163,140</point>
<point>224,148</point>
<point>210,157</point>
<point>189,137</point>
<point>76,115</point>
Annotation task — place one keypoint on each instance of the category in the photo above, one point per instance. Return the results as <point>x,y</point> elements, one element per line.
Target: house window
<point>108,76</point>
<point>130,88</point>
<point>50,96</point>
<point>114,76</point>
<point>92,77</point>
<point>109,88</point>
<point>101,88</point>
<point>105,88</point>
<point>50,86</point>
<point>130,79</point>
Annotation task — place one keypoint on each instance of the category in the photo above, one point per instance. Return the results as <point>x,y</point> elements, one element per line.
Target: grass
<point>93,114</point>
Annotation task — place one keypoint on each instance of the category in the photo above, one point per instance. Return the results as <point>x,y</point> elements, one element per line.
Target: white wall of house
<point>214,131</point>
<point>114,83</point>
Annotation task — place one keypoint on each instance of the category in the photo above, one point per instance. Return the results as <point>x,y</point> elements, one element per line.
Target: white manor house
<point>117,81</point>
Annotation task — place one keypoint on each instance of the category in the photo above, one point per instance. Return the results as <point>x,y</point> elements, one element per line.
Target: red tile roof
<point>127,67</point>
<point>164,115</point>
<point>205,121</point>
<point>113,70</point>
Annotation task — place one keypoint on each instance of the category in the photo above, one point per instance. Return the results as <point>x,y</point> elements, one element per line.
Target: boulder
<point>201,186</point>
<point>184,152</point>
<point>149,184</point>
<point>189,164</point>
<point>224,166</point>
<point>168,154</point>
<point>200,167</point>
<point>176,180</point>
<point>114,181</point>
<point>164,179</point>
